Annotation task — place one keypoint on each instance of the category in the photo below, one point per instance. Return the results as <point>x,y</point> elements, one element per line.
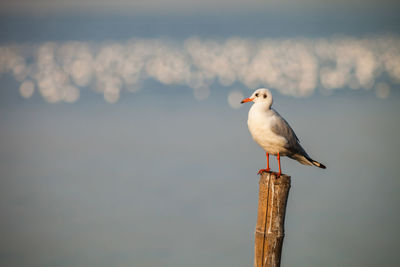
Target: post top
<point>274,174</point>
<point>282,179</point>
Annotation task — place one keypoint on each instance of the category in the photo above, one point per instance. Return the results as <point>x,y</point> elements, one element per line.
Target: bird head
<point>261,95</point>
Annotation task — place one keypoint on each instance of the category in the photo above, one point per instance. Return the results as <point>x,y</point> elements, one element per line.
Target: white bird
<point>272,132</point>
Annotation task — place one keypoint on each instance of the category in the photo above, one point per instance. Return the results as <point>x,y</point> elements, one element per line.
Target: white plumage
<point>272,132</point>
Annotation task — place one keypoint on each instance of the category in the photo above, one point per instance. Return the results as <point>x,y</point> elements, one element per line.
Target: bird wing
<point>282,128</point>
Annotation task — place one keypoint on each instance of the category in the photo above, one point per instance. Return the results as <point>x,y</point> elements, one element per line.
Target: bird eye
<point>257,95</point>
<point>265,96</point>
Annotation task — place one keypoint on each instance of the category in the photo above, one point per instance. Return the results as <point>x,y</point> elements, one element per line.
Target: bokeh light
<point>234,99</point>
<point>292,66</point>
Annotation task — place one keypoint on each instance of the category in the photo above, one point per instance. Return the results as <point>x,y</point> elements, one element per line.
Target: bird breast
<point>260,123</point>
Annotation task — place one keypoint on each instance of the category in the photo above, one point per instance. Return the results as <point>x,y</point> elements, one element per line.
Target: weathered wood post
<point>273,194</point>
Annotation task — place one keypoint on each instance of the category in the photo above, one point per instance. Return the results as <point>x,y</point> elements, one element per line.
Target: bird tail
<point>306,160</point>
<point>318,164</point>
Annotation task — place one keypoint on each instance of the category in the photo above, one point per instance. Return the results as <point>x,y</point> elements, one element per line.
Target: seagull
<point>273,133</point>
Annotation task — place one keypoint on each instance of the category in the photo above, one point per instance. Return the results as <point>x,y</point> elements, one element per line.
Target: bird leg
<point>267,169</point>
<point>279,164</point>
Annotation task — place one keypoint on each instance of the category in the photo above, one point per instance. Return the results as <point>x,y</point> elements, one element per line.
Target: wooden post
<point>269,233</point>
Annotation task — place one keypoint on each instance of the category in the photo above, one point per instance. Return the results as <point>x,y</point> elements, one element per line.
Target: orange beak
<point>246,100</point>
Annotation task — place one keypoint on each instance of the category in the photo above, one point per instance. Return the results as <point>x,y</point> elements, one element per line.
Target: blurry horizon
<point>299,67</point>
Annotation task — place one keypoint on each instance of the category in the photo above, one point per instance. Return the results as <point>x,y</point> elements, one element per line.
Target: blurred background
<point>123,142</point>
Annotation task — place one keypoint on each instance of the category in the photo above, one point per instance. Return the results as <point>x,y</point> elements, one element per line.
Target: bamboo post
<point>273,194</point>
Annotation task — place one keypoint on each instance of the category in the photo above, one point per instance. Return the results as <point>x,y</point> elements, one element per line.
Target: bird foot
<point>263,170</point>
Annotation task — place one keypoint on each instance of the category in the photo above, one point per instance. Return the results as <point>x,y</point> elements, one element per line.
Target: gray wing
<point>281,127</point>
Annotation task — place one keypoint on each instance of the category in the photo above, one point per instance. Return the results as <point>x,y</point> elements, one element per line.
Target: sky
<point>123,142</point>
